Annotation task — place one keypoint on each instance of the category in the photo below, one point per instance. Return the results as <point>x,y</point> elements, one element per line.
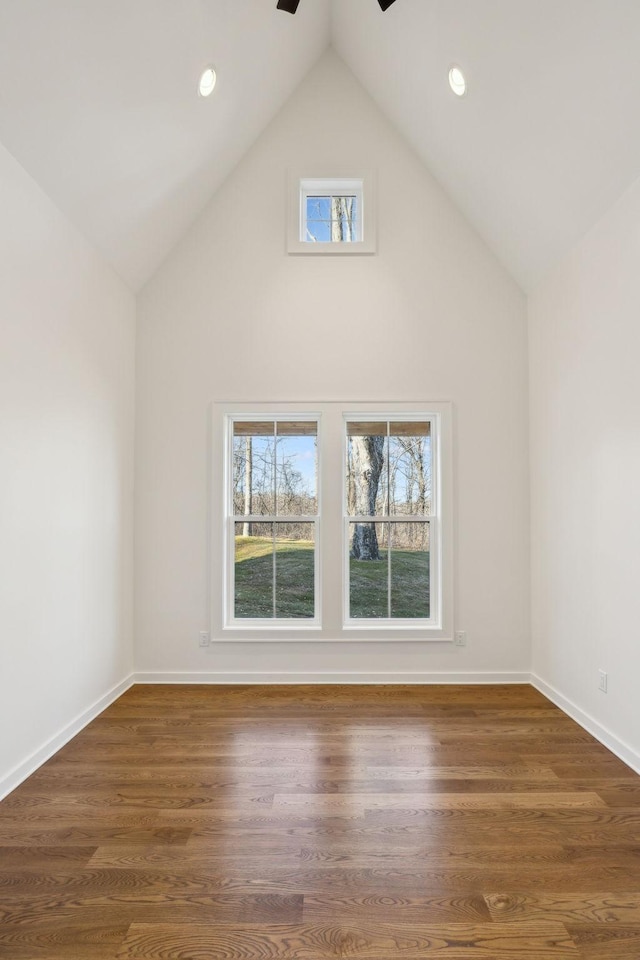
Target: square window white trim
<point>361,184</point>
<point>331,560</point>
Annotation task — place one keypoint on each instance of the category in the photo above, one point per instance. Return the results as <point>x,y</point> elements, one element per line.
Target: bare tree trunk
<point>351,483</point>
<point>342,219</point>
<point>368,460</point>
<point>248,483</point>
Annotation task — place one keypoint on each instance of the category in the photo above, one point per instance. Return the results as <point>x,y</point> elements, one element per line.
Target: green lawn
<point>409,585</point>
<point>295,577</point>
<point>254,578</point>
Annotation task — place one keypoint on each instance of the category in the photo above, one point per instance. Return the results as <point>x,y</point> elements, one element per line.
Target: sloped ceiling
<point>547,137</point>
<point>98,103</point>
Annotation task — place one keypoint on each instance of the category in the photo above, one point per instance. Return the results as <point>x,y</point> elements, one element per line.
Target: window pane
<point>253,467</point>
<point>239,473</point>
<point>368,571</point>
<point>260,488</point>
<point>318,231</point>
<point>253,570</point>
<point>331,219</point>
<point>410,569</point>
<point>318,208</point>
<point>318,219</point>
<point>367,474</point>
<point>295,571</point>
<point>410,468</point>
<point>261,475</point>
<point>278,582</point>
<point>296,471</point>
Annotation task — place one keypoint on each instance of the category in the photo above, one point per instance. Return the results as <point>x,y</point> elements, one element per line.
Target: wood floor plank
<point>57,942</point>
<point>86,831</point>
<point>407,819</point>
<point>238,907</point>
<point>272,847</point>
<point>574,908</point>
<point>606,941</point>
<point>410,941</point>
<point>296,823</point>
<point>445,801</point>
<point>41,857</point>
<point>202,774</point>
<point>396,910</point>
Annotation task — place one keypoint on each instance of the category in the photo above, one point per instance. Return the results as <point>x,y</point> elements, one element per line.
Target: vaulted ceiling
<point>98,103</point>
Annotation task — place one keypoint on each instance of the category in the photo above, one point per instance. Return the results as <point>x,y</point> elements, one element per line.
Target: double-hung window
<point>389,494</point>
<point>332,521</point>
<point>272,520</point>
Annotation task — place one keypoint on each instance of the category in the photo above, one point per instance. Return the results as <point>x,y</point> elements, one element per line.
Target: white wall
<point>231,316</point>
<point>66,466</point>
<point>585,462</point>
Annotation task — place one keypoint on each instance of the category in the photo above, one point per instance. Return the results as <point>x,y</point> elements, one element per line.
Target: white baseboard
<point>606,738</point>
<point>23,770</point>
<point>336,678</point>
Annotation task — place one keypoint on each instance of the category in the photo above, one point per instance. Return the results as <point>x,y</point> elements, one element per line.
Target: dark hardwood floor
<point>294,823</point>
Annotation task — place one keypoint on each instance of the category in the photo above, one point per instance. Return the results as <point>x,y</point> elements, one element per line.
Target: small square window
<point>332,215</point>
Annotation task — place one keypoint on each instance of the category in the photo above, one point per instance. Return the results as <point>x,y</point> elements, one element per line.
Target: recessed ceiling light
<point>457,81</point>
<point>207,82</point>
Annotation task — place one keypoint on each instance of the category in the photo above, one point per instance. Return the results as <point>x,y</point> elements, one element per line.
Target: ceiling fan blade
<point>290,6</point>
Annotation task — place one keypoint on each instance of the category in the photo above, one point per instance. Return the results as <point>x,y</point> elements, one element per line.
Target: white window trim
<point>324,182</point>
<point>331,576</point>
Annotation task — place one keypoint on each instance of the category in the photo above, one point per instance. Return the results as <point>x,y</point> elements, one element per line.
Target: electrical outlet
<point>602,681</point>
<point>204,638</point>
<point>461,638</point>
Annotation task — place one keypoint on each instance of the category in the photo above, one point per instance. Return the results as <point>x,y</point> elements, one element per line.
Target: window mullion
<point>389,534</point>
<point>273,569</point>
<point>382,518</point>
<point>270,518</point>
